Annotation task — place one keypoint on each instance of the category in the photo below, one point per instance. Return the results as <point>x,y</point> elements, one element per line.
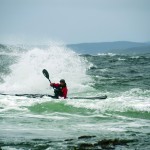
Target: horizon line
<point>76,43</point>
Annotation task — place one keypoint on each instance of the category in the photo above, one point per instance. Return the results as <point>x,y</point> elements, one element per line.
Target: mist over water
<point>29,123</point>
<point>62,63</point>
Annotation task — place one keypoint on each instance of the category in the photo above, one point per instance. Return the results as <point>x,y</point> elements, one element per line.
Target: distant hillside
<point>91,48</point>
<point>122,46</point>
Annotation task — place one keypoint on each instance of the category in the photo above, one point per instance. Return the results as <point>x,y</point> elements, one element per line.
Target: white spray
<point>61,62</point>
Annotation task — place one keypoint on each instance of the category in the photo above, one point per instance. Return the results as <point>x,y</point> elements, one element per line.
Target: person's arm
<point>65,90</point>
<point>55,85</point>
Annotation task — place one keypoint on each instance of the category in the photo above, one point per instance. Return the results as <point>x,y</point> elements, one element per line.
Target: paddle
<point>46,74</point>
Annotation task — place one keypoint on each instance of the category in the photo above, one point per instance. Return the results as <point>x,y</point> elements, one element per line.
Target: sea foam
<point>26,75</point>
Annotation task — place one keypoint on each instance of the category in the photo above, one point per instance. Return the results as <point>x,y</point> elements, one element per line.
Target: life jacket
<point>61,90</point>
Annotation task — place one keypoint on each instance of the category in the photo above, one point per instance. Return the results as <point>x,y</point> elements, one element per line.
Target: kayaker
<point>60,89</point>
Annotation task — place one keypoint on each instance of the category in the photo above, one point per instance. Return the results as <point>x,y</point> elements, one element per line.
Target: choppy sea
<point>121,122</point>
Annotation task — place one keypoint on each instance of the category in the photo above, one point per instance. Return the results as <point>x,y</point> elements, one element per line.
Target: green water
<point>45,123</point>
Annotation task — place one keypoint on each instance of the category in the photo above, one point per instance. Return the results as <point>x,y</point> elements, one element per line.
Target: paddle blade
<point>46,74</point>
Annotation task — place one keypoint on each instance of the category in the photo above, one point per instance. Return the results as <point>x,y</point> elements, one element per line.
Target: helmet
<point>62,80</point>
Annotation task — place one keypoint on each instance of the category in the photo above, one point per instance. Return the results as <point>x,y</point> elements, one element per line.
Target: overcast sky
<point>74,21</point>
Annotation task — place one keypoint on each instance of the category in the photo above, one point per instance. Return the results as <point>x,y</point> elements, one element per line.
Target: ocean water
<point>122,120</point>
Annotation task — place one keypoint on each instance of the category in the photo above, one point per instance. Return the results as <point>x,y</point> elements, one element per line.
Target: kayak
<point>47,95</point>
<point>95,97</point>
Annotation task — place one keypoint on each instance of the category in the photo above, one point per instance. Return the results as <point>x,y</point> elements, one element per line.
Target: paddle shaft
<point>49,81</point>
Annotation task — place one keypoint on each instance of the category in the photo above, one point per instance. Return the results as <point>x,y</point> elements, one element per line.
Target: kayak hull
<point>42,95</point>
